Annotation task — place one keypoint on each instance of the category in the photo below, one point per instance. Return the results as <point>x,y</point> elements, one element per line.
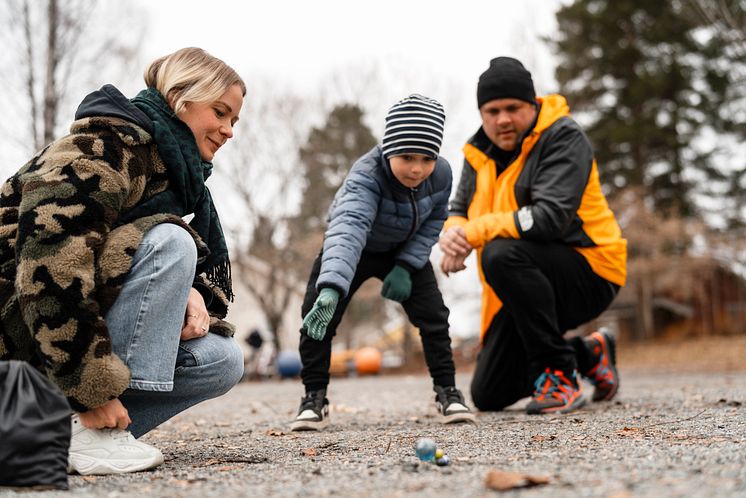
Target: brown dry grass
<point>705,354</point>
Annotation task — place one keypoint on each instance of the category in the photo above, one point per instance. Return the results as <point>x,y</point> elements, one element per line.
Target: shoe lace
<point>451,395</point>
<point>553,384</point>
<point>312,400</point>
<point>601,375</point>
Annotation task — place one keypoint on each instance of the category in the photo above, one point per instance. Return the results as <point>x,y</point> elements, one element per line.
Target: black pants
<point>424,308</point>
<point>546,289</point>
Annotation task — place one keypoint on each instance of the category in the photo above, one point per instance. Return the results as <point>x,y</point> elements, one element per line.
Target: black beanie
<point>506,78</point>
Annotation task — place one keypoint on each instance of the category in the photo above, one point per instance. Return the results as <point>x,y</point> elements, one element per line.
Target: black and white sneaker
<point>313,413</point>
<point>451,405</point>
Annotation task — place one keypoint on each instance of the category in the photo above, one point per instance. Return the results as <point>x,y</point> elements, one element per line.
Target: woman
<point>102,283</point>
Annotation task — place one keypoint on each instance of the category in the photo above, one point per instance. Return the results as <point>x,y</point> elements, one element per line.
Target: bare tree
<point>266,177</point>
<point>55,51</point>
<point>729,17</point>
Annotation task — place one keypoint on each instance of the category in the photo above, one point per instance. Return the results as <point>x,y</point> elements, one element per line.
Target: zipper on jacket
<point>415,218</point>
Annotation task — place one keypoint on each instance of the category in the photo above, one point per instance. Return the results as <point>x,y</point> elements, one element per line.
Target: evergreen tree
<point>726,21</point>
<point>644,75</point>
<point>326,158</point>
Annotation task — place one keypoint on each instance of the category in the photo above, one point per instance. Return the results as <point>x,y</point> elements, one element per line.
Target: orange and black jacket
<point>549,191</point>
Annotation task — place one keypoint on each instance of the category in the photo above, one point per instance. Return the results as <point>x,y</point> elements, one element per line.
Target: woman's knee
<point>176,242</point>
<point>226,360</point>
<point>234,365</point>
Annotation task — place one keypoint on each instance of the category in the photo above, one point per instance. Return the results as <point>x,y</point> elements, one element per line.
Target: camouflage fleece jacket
<point>64,258</point>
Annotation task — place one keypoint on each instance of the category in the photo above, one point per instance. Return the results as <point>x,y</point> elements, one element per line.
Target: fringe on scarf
<point>220,275</point>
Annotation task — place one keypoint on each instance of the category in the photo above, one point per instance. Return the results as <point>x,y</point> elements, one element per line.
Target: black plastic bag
<point>34,429</point>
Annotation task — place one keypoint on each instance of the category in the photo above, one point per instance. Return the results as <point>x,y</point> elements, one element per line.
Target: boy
<point>383,222</point>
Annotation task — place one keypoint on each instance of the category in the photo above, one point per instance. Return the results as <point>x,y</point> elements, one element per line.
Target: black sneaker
<point>556,391</point>
<point>313,413</point>
<point>603,375</point>
<point>451,405</point>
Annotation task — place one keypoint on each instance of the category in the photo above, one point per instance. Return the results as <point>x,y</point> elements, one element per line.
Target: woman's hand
<point>111,415</point>
<point>196,318</point>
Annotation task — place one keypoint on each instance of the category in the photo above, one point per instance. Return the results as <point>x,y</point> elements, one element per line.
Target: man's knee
<point>501,256</point>
<point>489,400</point>
<point>493,389</point>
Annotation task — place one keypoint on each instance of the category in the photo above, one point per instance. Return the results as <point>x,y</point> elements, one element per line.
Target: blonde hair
<point>191,75</point>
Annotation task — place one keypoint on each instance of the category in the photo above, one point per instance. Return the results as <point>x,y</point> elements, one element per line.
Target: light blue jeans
<point>168,375</point>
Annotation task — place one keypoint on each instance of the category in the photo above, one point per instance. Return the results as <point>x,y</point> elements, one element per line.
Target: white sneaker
<point>108,451</point>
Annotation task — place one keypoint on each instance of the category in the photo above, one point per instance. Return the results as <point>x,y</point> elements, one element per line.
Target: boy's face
<point>412,169</point>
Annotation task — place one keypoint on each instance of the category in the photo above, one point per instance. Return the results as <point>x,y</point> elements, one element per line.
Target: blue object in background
<point>288,363</point>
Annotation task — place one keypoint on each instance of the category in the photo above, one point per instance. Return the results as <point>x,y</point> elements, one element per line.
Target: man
<point>551,255</point>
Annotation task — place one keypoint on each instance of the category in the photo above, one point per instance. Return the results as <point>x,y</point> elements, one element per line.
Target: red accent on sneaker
<point>604,374</point>
<point>555,392</point>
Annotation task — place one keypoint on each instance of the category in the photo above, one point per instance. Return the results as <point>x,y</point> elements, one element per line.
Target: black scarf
<point>187,192</point>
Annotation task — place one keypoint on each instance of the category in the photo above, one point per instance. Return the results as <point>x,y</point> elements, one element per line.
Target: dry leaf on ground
<point>539,438</point>
<point>503,481</point>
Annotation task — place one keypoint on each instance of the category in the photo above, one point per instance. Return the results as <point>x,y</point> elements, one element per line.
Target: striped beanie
<point>414,125</point>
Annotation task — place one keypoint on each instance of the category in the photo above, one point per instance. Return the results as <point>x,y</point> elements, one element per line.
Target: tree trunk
<point>50,88</point>
<point>407,348</point>
<point>30,75</point>
<point>645,309</point>
<point>275,323</point>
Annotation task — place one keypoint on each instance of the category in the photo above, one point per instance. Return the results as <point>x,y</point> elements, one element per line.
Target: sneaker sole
<point>579,402</point>
<point>309,425</point>
<point>457,418</point>
<point>86,465</point>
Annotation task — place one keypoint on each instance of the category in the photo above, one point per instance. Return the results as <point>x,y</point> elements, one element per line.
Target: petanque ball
<point>288,363</point>
<point>367,361</point>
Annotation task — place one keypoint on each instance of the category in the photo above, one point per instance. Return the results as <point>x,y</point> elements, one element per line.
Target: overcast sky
<point>297,45</point>
<point>294,45</point>
<point>298,41</point>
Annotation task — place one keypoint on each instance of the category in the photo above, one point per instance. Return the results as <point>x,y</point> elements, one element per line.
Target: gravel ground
<point>666,434</point>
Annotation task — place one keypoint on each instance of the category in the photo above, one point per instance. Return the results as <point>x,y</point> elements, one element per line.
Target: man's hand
<point>316,321</point>
<point>453,243</point>
<point>196,319</point>
<point>452,264</point>
<point>111,415</point>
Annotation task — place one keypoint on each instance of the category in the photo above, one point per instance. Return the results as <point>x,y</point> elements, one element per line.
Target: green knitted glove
<point>316,320</point>
<point>397,285</point>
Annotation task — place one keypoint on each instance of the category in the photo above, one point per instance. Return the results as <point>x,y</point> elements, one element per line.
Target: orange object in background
<point>367,361</point>
<point>340,364</point>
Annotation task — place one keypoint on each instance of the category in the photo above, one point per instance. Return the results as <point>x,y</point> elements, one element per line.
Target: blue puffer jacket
<point>372,211</point>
